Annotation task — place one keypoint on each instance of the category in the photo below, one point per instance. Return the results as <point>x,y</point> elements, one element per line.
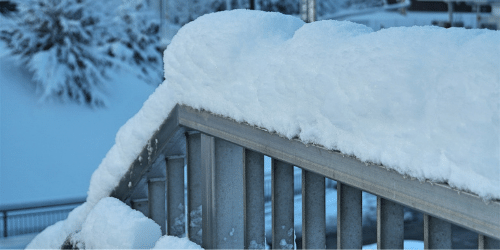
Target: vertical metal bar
<point>437,233</point>
<point>255,233</point>
<point>349,217</point>
<point>5,234</point>
<point>223,196</point>
<point>450,12</point>
<point>282,205</point>
<point>175,195</point>
<point>485,242</point>
<point>313,211</point>
<point>303,10</point>
<point>311,11</point>
<point>390,224</point>
<point>156,202</point>
<point>194,187</point>
<point>141,205</point>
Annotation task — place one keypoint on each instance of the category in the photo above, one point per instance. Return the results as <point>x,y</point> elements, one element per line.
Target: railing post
<point>156,201</point>
<point>175,195</point>
<point>255,234</point>
<point>223,220</point>
<point>303,10</point>
<point>5,225</point>
<point>437,233</point>
<point>485,242</point>
<point>313,211</point>
<point>390,224</point>
<point>194,187</point>
<point>349,217</point>
<point>282,205</point>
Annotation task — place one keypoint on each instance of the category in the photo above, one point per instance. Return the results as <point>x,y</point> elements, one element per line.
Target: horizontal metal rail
<point>33,217</point>
<point>208,141</point>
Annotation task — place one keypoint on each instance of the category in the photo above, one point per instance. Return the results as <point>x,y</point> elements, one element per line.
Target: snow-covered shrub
<point>138,45</point>
<point>6,7</point>
<point>70,45</point>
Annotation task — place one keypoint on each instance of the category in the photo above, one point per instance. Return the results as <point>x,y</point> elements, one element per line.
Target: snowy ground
<point>49,150</point>
<point>16,242</point>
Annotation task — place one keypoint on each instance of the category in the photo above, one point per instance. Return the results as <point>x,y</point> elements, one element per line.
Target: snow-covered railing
<point>225,179</point>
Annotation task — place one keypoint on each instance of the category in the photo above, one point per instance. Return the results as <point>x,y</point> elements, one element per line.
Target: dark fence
<point>18,219</point>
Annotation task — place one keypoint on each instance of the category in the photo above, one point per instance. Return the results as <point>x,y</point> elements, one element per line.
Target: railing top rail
<point>42,204</point>
<point>439,200</point>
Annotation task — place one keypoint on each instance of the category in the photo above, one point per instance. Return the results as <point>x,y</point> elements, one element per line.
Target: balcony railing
<point>225,190</point>
<point>26,218</point>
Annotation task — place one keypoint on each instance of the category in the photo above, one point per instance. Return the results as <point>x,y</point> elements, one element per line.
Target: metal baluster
<point>313,211</point>
<point>156,201</point>
<point>5,224</point>
<point>485,242</point>
<point>349,217</point>
<point>303,10</point>
<point>254,200</point>
<point>175,195</point>
<point>437,233</point>
<point>311,11</point>
<point>390,224</point>
<point>194,187</point>
<point>223,222</point>
<point>282,205</point>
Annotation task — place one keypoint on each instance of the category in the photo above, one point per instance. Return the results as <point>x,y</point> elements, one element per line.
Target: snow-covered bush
<point>138,44</point>
<point>70,45</point>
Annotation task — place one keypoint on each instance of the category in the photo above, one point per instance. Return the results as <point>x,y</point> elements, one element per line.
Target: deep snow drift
<point>421,100</point>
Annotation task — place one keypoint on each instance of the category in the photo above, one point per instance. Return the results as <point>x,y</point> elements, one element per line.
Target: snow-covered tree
<point>70,45</point>
<point>138,42</point>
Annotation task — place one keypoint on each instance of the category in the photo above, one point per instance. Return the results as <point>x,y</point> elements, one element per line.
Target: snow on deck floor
<point>390,97</point>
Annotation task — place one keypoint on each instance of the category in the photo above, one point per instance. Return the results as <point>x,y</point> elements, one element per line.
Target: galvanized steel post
<point>194,187</point>
<point>303,10</point>
<point>175,195</point>
<point>311,11</point>
<point>5,225</point>
<point>282,205</point>
<point>223,165</point>
<point>349,217</point>
<point>308,10</point>
<point>390,224</point>
<point>255,234</point>
<point>313,211</point>
<point>156,201</point>
<point>437,233</point>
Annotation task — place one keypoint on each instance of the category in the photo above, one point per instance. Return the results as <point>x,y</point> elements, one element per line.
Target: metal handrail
<point>31,211</point>
<point>440,203</point>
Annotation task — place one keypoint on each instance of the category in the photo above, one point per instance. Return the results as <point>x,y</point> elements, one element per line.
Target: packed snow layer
<point>172,242</point>
<point>113,225</point>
